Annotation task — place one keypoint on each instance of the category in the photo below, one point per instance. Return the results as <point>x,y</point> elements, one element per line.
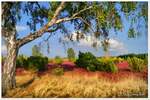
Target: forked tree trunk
<point>8,70</point>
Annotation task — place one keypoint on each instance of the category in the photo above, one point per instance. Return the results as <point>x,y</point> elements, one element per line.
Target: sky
<point>119,42</point>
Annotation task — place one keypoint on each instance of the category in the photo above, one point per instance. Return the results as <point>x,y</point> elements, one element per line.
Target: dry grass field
<point>77,87</point>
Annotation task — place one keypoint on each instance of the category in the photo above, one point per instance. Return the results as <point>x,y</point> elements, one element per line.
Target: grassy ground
<point>78,86</point>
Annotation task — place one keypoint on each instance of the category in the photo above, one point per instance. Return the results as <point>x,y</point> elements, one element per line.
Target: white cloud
<point>87,41</point>
<point>115,45</point>
<point>118,46</point>
<point>21,28</point>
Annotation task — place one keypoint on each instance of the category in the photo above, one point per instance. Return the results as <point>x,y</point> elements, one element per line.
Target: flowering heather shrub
<point>136,64</point>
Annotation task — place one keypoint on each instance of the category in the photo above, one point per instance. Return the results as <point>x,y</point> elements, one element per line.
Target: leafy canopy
<point>97,19</point>
<point>71,54</point>
<point>36,51</point>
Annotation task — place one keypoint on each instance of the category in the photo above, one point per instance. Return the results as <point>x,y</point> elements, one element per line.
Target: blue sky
<point>121,44</point>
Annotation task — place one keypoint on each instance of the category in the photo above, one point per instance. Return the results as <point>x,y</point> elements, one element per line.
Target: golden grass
<point>67,86</point>
<point>21,80</point>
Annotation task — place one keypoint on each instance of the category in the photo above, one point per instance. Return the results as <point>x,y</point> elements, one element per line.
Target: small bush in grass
<point>58,71</point>
<point>58,60</point>
<point>136,64</point>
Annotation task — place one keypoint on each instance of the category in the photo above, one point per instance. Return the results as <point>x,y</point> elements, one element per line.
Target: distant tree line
<point>141,56</point>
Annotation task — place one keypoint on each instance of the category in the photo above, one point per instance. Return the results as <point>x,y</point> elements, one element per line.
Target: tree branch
<point>51,33</point>
<point>81,11</point>
<point>42,30</point>
<point>57,12</point>
<point>72,18</point>
<point>54,20</point>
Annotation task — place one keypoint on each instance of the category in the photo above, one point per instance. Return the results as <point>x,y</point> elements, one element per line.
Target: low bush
<point>37,63</point>
<point>117,60</point>
<point>107,65</point>
<point>21,61</point>
<point>86,60</point>
<point>91,63</point>
<point>113,59</point>
<point>58,71</point>
<point>136,64</point>
<point>58,60</point>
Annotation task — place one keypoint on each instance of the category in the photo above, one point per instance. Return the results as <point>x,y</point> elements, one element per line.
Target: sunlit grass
<point>67,86</point>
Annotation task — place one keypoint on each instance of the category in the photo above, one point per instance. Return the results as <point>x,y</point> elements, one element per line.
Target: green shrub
<point>141,56</point>
<point>117,59</point>
<point>107,65</point>
<point>58,60</point>
<point>37,63</point>
<point>91,63</point>
<point>21,61</point>
<point>136,64</point>
<point>58,71</point>
<point>32,67</point>
<point>91,67</point>
<point>86,60</point>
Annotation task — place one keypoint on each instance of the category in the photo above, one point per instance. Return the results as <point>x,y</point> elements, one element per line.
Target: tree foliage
<point>104,14</point>
<point>71,54</point>
<point>105,45</point>
<point>36,51</point>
